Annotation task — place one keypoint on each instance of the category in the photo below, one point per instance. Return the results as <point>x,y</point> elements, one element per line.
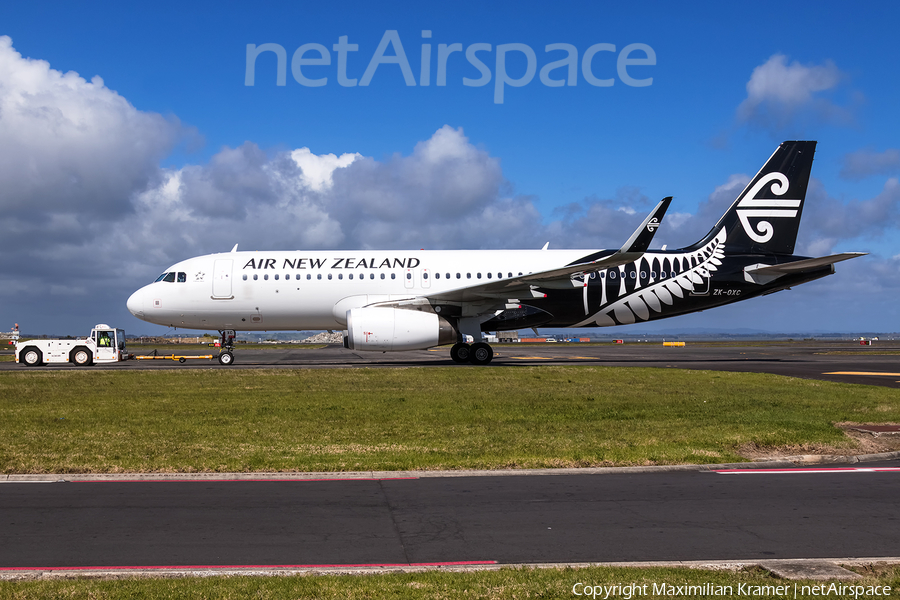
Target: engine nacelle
<point>394,329</point>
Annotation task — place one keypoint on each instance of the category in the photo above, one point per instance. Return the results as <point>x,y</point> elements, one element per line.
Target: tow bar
<point>180,359</point>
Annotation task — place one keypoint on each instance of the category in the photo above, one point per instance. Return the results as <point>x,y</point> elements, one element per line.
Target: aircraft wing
<point>630,251</point>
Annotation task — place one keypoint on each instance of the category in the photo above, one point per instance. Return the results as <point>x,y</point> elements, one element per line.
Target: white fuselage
<point>268,291</point>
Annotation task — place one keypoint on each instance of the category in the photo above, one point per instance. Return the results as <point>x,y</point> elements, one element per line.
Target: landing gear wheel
<point>481,354</point>
<point>81,357</point>
<point>32,357</point>
<point>226,358</point>
<point>182,360</point>
<point>460,353</point>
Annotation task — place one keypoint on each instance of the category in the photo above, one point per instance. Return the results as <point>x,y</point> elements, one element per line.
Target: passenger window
<point>447,275</point>
<point>340,276</point>
<point>276,277</point>
<point>308,276</point>
<point>510,275</point>
<point>652,274</point>
<point>393,276</point>
<point>371,275</point>
<point>170,277</point>
<point>409,275</point>
<point>382,275</point>
<point>612,274</point>
<point>319,276</point>
<point>350,276</point>
<point>633,275</point>
<point>479,276</point>
<point>458,276</point>
<point>424,275</point>
<point>499,275</point>
<point>643,274</point>
<point>182,277</point>
<point>329,276</point>
<point>266,276</point>
<point>468,276</point>
<point>245,277</point>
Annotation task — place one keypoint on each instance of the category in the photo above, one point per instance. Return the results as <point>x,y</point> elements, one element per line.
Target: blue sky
<point>105,182</point>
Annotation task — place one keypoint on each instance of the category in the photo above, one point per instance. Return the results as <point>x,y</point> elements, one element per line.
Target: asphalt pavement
<point>655,516</point>
<point>830,361</point>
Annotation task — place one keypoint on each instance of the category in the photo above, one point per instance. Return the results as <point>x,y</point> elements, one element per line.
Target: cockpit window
<point>171,276</point>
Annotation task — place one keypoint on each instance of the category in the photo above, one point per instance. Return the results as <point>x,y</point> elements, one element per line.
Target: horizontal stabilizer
<point>762,274</point>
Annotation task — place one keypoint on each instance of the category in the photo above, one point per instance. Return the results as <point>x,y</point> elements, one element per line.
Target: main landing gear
<point>478,353</point>
<point>226,342</point>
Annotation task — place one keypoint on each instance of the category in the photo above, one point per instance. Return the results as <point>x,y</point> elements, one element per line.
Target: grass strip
<point>502,584</point>
<point>218,420</point>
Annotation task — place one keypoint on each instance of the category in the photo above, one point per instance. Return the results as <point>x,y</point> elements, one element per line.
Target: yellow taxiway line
<point>862,373</point>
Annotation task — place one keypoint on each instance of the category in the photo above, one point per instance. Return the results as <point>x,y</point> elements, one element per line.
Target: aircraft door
<point>221,287</point>
<point>702,281</point>
<point>106,345</point>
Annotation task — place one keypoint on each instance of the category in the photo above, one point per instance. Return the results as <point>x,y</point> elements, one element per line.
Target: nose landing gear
<point>226,342</point>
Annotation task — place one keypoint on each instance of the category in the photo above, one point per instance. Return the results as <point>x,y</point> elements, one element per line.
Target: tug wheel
<point>81,356</point>
<point>32,357</point>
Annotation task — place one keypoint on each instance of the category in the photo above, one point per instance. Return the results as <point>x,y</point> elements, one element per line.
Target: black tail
<point>766,215</point>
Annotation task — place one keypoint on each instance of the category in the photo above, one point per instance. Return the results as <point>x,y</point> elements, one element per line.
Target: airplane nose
<point>135,304</point>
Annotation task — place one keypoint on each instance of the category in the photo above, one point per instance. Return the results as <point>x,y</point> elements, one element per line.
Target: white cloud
<point>445,194</point>
<point>71,146</point>
<point>864,163</point>
<point>781,94</point>
<point>318,169</point>
<point>828,222</point>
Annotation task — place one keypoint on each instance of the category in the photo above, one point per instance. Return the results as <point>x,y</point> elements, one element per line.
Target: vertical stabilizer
<point>766,215</point>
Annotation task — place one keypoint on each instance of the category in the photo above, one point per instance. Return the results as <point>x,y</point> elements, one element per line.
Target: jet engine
<point>393,329</point>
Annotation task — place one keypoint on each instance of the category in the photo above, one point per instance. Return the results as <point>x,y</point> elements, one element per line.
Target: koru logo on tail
<point>751,207</point>
<point>653,225</point>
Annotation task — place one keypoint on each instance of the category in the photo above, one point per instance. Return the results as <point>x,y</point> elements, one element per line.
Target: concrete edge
<point>287,571</point>
<point>774,463</point>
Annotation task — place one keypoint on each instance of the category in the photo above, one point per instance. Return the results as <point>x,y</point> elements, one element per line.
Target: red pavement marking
<point>809,470</point>
<point>216,567</point>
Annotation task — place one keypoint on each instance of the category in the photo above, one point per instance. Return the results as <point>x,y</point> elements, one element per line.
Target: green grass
<point>227,420</point>
<point>505,584</point>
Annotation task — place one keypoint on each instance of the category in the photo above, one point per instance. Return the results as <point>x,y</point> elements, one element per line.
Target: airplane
<point>406,300</point>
